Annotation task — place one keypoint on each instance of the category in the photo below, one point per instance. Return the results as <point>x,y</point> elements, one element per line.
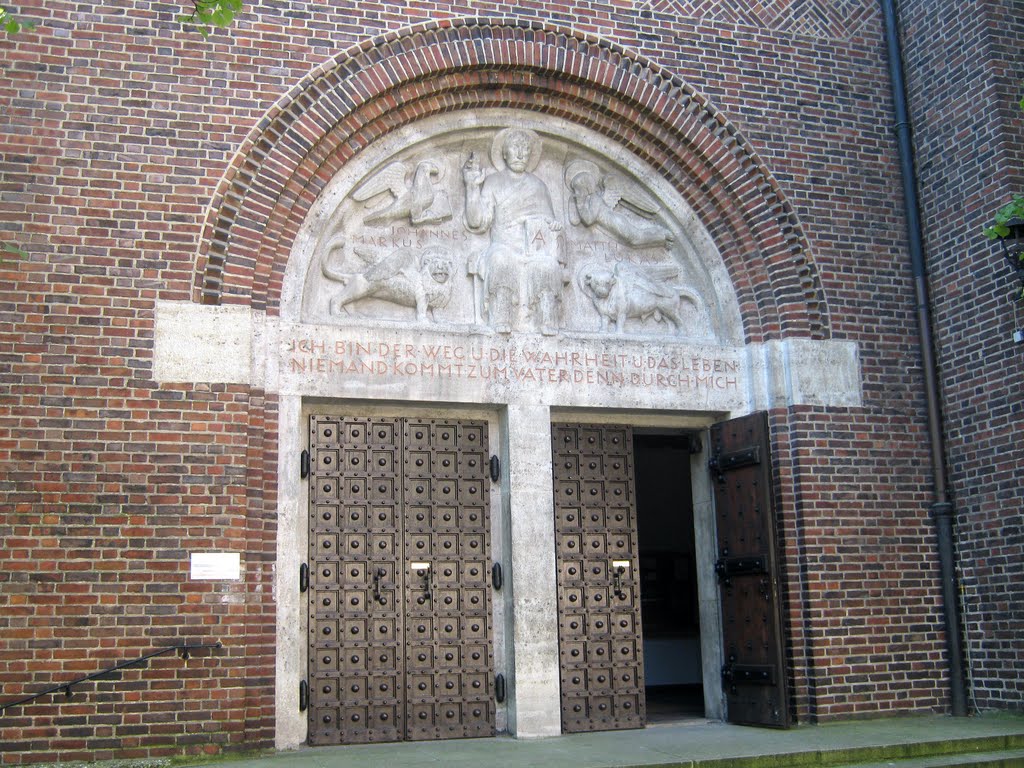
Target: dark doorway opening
<point>668,578</point>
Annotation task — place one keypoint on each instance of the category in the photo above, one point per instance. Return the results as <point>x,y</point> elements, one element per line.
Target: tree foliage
<point>204,16</point>
<point>207,14</point>
<point>1013,211</point>
<point>11,24</point>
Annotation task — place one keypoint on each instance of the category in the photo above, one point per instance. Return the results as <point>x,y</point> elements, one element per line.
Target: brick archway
<point>397,79</point>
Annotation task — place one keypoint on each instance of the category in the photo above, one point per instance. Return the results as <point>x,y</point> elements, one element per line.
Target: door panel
<point>600,649</point>
<point>400,611</point>
<point>448,605</point>
<point>355,578</point>
<point>754,675</point>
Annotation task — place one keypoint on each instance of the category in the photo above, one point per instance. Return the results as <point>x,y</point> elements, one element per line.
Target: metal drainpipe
<point>942,507</point>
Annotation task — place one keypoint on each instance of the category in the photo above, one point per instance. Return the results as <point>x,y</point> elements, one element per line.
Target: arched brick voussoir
<point>394,80</point>
<point>715,204</point>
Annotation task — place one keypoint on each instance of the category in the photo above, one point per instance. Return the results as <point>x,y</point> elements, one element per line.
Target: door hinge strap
<point>723,462</point>
<point>751,674</point>
<point>750,565</point>
<point>499,688</point>
<point>496,577</point>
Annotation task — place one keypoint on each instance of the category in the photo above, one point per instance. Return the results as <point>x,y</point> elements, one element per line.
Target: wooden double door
<point>399,597</point>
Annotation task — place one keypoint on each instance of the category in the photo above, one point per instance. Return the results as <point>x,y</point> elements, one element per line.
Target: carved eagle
<point>414,194</point>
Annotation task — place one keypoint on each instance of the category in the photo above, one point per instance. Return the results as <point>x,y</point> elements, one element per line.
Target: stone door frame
<point>525,610</point>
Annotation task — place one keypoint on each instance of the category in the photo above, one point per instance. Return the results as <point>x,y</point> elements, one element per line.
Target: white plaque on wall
<point>222,566</point>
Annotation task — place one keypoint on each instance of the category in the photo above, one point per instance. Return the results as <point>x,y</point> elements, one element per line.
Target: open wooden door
<point>754,673</point>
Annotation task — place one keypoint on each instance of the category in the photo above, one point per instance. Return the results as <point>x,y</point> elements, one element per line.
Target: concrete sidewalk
<point>697,743</point>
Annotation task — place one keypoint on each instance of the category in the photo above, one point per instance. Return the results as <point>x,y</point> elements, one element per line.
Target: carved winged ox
<point>630,291</point>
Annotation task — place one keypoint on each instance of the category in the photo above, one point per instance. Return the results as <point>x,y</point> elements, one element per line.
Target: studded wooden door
<point>599,633</point>
<point>399,598</point>
<point>754,674</point>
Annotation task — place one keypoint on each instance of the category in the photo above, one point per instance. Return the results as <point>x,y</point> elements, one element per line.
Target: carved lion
<point>628,291</point>
<point>407,277</point>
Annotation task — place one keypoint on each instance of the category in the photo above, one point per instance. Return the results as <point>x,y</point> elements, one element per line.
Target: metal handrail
<point>183,648</point>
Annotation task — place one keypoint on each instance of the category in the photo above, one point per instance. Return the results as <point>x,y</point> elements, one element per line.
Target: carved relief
<point>616,206</point>
<point>518,277</point>
<point>407,277</point>
<point>415,196</point>
<point>627,291</point>
<point>481,229</point>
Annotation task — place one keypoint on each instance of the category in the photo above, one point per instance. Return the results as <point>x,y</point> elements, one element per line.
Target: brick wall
<point>121,136</point>
<point>969,134</point>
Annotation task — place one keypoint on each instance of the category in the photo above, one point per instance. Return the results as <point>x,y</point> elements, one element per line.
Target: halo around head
<point>504,135</point>
<point>577,168</point>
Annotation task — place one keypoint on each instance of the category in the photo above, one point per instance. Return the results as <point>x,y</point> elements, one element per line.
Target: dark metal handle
<point>720,463</point>
<point>617,583</point>
<point>424,573</point>
<point>378,575</point>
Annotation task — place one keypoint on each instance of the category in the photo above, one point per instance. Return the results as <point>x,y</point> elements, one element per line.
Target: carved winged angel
<point>415,195</point>
<point>615,205</point>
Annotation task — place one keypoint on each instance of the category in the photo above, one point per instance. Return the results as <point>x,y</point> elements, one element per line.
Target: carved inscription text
<point>506,364</point>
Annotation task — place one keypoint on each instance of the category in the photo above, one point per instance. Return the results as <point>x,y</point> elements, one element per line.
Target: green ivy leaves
<point>207,14</point>
<point>1012,210</point>
<point>11,25</point>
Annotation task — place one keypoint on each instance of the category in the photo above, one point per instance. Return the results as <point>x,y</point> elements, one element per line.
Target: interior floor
<point>668,578</point>
<point>672,703</point>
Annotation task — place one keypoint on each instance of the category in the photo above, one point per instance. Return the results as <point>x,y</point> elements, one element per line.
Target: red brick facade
<point>139,162</point>
<point>969,131</point>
